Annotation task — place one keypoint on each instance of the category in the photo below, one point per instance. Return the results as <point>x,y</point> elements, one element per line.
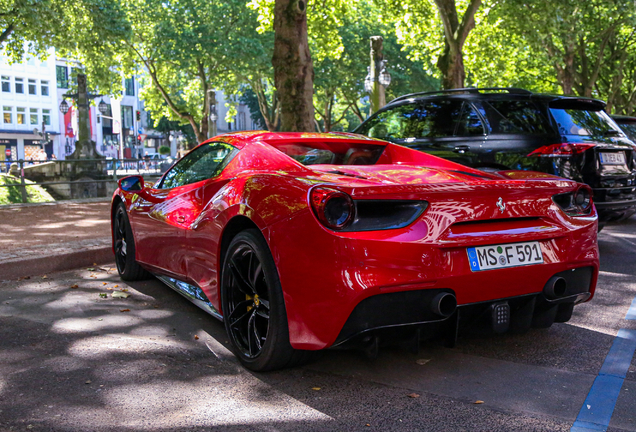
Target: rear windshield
<point>516,117</point>
<point>584,122</point>
<point>340,153</point>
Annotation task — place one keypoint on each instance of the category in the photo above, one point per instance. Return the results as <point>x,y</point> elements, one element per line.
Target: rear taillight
<point>577,203</point>
<point>333,208</point>
<point>561,150</point>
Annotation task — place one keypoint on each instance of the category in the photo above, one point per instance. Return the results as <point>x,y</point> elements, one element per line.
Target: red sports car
<point>305,241</point>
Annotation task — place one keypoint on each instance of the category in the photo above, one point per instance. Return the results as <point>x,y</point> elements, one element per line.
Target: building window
<point>33,116</point>
<point>73,77</point>
<point>6,84</point>
<point>46,117</point>
<point>7,115</point>
<point>19,85</point>
<point>33,88</point>
<point>21,116</point>
<point>129,83</point>
<point>62,76</point>
<point>44,88</point>
<point>127,116</point>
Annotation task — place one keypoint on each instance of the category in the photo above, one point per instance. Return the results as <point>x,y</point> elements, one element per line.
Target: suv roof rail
<point>473,90</point>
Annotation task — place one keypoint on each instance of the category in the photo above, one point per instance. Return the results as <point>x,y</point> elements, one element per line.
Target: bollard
<point>22,183</point>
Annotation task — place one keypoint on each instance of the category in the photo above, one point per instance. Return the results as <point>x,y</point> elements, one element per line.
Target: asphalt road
<point>71,360</point>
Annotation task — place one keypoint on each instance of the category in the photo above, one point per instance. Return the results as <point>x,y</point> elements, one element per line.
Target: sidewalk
<point>36,239</point>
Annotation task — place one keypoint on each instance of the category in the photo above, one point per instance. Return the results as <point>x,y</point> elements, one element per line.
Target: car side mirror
<point>131,183</point>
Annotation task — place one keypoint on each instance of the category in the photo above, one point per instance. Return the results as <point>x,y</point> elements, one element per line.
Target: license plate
<point>612,158</point>
<point>504,255</point>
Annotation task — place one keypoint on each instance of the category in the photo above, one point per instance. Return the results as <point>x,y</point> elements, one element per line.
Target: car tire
<point>253,306</point>
<point>124,245</point>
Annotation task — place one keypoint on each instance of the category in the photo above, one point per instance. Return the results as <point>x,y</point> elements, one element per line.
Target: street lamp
<point>103,107</point>
<point>64,106</point>
<point>384,78</point>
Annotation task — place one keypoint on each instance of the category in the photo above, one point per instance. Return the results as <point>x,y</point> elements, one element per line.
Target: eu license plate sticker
<point>617,158</point>
<point>504,255</point>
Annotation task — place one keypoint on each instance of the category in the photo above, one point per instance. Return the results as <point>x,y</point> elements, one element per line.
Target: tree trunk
<point>451,65</point>
<point>451,62</point>
<point>293,68</point>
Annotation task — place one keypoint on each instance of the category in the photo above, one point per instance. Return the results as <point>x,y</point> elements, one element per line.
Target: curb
<point>48,261</point>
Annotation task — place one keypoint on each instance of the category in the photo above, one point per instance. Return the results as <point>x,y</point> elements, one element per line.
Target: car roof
<point>490,93</point>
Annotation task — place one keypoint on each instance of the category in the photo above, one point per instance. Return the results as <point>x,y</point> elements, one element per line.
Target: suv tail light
<point>577,203</point>
<point>561,150</point>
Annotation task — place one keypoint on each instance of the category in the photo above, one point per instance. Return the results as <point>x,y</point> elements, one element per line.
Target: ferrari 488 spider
<point>301,242</point>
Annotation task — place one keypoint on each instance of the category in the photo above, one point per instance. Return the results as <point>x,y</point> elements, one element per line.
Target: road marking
<point>597,410</point>
<point>631,313</point>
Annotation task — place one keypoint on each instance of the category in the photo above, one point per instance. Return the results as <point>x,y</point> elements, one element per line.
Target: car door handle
<point>461,149</point>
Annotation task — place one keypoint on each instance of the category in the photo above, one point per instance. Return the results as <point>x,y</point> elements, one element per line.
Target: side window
<point>203,163</point>
<point>429,119</point>
<point>469,122</point>
<point>516,117</point>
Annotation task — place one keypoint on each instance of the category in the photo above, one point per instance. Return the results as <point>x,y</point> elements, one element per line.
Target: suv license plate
<point>617,158</point>
<point>504,255</point>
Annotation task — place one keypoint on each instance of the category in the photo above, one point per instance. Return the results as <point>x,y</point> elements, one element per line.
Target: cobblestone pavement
<point>29,226</point>
<point>37,239</point>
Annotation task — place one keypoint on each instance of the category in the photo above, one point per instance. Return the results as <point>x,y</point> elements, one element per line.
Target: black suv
<point>497,129</point>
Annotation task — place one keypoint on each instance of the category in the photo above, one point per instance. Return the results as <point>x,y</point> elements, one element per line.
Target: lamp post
<point>213,115</point>
<point>378,78</point>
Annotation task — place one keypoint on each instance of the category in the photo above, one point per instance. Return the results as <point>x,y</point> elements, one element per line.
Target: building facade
<point>29,106</point>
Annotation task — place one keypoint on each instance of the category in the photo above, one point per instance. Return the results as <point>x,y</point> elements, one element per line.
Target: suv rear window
<point>583,122</point>
<point>516,117</point>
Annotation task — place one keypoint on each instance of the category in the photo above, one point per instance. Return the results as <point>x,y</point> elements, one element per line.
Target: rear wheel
<point>253,306</point>
<point>127,266</point>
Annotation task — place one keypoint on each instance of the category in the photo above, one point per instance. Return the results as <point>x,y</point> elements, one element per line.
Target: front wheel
<point>127,266</point>
<point>253,306</point>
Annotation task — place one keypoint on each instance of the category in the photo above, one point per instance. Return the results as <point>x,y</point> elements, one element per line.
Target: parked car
<point>627,124</point>
<point>509,128</point>
<point>303,241</point>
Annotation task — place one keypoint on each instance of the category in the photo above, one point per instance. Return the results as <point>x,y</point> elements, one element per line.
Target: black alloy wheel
<point>253,306</point>
<point>247,301</point>
<point>127,266</point>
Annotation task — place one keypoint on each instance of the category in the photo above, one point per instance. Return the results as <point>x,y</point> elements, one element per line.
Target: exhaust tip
<point>555,288</point>
<point>444,304</point>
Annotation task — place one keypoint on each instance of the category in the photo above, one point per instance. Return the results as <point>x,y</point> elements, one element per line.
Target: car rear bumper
<point>398,314</point>
<point>615,203</point>
<point>325,276</point>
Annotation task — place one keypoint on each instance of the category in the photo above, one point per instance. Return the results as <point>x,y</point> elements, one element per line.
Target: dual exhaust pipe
<point>444,304</point>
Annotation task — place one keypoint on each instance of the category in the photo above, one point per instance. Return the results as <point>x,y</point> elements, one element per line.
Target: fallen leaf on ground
<point>88,382</point>
<point>116,286</point>
<point>315,388</point>
<point>368,425</point>
<point>104,283</point>
<point>413,395</point>
<point>90,269</point>
<point>119,294</point>
<point>74,286</point>
<point>156,306</point>
<point>478,402</point>
<point>124,310</point>
<point>124,290</point>
<point>422,362</point>
<point>24,278</point>
<point>94,264</point>
<point>103,295</point>
<point>109,288</point>
<point>196,337</point>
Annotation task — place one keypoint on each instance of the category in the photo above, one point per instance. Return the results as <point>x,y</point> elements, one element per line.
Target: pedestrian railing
<point>70,179</point>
